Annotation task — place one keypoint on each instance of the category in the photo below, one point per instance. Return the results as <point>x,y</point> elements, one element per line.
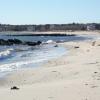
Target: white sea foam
<point>16,65</point>
<point>50,41</point>
<point>19,56</point>
<point>5,52</point>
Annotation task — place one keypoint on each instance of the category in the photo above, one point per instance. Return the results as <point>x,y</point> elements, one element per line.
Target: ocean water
<point>14,58</point>
<point>17,57</point>
<point>45,38</point>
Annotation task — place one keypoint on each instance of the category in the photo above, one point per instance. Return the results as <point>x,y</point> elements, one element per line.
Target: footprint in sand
<point>96,76</point>
<point>50,97</point>
<point>94,86</point>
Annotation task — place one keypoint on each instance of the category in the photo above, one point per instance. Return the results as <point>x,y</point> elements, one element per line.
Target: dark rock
<point>3,42</point>
<point>39,42</point>
<point>17,41</point>
<point>14,41</point>
<point>14,88</point>
<point>31,43</point>
<point>54,34</point>
<point>95,72</point>
<point>93,43</point>
<point>76,47</point>
<point>56,46</point>
<point>10,42</point>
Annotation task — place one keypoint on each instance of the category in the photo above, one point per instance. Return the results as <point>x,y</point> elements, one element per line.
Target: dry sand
<point>74,76</point>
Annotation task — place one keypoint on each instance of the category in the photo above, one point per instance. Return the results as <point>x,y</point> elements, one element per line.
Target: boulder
<point>3,42</point>
<point>39,42</point>
<point>14,88</point>
<point>30,43</point>
<point>17,41</point>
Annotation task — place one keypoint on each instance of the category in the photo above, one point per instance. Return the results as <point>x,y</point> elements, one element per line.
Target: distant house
<point>31,28</point>
<point>90,27</point>
<point>42,28</point>
<point>52,27</point>
<point>2,28</point>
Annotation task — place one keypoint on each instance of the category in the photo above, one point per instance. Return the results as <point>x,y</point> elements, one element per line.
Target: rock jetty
<point>10,42</point>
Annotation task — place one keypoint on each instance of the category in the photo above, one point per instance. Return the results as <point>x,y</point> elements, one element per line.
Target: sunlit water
<point>17,57</point>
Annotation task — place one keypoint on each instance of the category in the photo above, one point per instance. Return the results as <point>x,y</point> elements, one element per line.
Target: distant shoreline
<point>49,32</point>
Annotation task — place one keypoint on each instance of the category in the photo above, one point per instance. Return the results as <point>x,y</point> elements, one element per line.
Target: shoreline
<point>49,56</point>
<point>53,32</point>
<point>74,76</point>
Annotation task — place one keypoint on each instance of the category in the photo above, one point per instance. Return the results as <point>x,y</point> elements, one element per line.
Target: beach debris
<point>95,72</point>
<point>14,88</point>
<point>93,43</point>
<point>98,44</point>
<point>76,47</point>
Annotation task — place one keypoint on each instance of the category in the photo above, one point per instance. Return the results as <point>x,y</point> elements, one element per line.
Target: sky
<point>49,11</point>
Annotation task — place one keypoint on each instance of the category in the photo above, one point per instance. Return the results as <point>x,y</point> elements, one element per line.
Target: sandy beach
<point>50,32</point>
<point>74,76</point>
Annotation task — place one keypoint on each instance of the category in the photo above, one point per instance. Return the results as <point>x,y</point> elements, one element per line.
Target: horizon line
<point>54,23</point>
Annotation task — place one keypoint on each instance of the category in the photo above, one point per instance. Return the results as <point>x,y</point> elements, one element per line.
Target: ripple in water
<point>17,57</point>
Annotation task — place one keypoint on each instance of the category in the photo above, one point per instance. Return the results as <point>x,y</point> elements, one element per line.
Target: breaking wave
<point>5,53</point>
<point>17,65</point>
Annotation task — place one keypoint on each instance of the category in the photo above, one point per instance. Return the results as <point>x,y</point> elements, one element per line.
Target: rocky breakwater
<point>10,42</point>
<point>52,34</point>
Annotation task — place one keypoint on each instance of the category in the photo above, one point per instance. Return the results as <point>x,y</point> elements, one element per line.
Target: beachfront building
<point>90,27</point>
<point>52,27</point>
<point>4,28</point>
<point>31,28</point>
